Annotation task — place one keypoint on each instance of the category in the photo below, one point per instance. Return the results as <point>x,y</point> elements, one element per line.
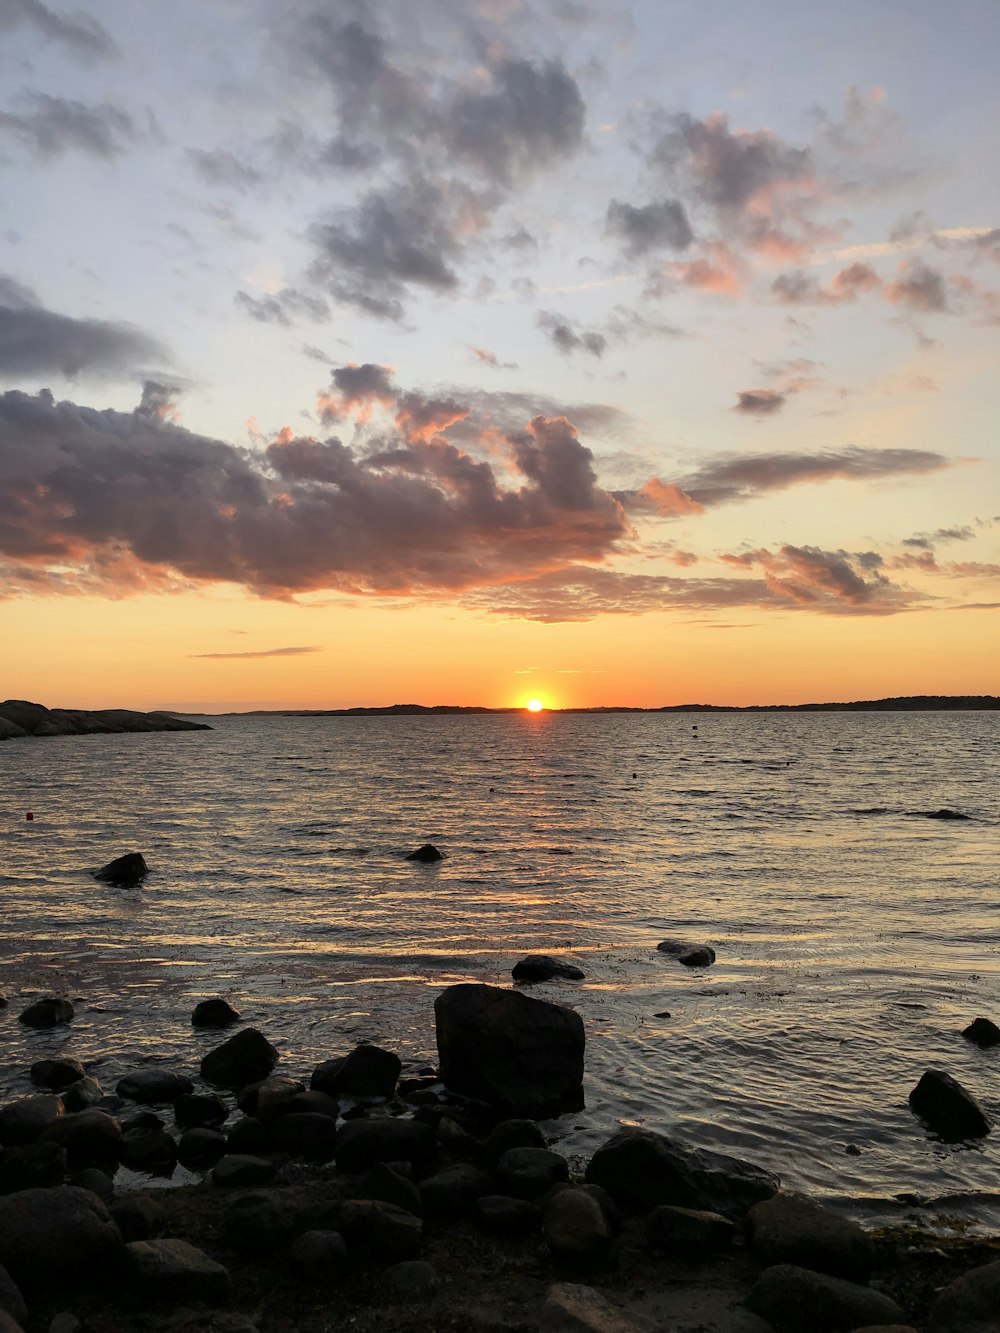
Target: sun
<point>534,705</point>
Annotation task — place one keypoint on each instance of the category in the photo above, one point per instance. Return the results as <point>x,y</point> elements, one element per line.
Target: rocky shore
<point>381,1197</point>
<point>19,718</point>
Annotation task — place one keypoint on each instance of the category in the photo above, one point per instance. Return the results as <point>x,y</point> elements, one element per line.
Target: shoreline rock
<point>20,718</point>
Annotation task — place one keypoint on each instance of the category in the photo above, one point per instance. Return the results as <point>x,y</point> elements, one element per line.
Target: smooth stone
<point>246,1058</point>
<point>256,1224</point>
<point>26,1120</point>
<point>194,1110</point>
<point>951,1111</point>
<point>174,1270</point>
<point>362,1143</point>
<point>543,967</point>
<point>570,1308</point>
<point>32,1166</point>
<point>970,1303</point>
<point>150,1150</point>
<point>235,1171</point>
<point>504,1216</point>
<point>413,1280</point>
<point>945,814</point>
<point>308,1135</point>
<point>214,1013</point>
<point>455,1189</point>
<point>427,854</point>
<point>319,1255</point>
<point>691,955</point>
<point>55,1075</point>
<point>380,1232</point>
<point>153,1087</point>
<point>388,1186</point>
<point>94,1179</point>
<point>47,1013</point>
<point>136,1216</point>
<point>575,1227</point>
<point>982,1032</point>
<point>314,1103</point>
<point>793,1299</point>
<point>248,1137</point>
<point>82,1095</point>
<point>270,1097</point>
<point>50,1236</point>
<point>671,1228</point>
<point>11,1299</point>
<point>124,871</point>
<point>200,1148</point>
<point>511,1134</point>
<point>368,1071</point>
<point>89,1137</point>
<point>791,1229</point>
<point>528,1173</point>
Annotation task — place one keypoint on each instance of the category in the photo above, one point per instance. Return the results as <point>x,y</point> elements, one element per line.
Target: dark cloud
<point>569,338</point>
<point>285,307</point>
<point>49,126</point>
<point>159,401</point>
<point>78,32</point>
<point>662,225</point>
<point>919,288</point>
<point>926,541</point>
<point>220,167</point>
<point>798,288</point>
<point>759,402</point>
<point>836,582</point>
<point>35,341</point>
<point>263,652</point>
<point>134,500</point>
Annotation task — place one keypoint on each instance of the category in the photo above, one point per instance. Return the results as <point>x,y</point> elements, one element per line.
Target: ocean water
<point>855,937</point>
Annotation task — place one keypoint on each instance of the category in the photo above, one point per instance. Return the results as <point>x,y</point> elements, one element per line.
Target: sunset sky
<point>435,351</point>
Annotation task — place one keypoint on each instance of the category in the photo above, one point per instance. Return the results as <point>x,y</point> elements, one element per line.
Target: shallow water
<point>855,937</point>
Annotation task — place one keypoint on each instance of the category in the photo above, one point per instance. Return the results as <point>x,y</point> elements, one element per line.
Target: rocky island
<point>18,717</point>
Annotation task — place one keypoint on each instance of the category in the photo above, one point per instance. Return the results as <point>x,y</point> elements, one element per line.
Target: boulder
<point>388,1186</point>
<point>11,1299</point>
<point>362,1143</point>
<point>427,854</point>
<point>246,1058</point>
<point>319,1256</point>
<point>791,1229</point>
<point>504,1216</point>
<point>671,1228</point>
<point>47,1013</point>
<point>542,967</point>
<point>413,1281</point>
<point>792,1299</point>
<point>949,1110</point>
<point>56,1074</point>
<point>8,729</point>
<point>32,1166</point>
<point>98,1181</point>
<point>575,1227</point>
<point>528,1173</point>
<point>50,1237</point>
<point>256,1224</point>
<point>8,1324</point>
<point>153,1087</point>
<point>454,1190</point>
<point>570,1308</point>
<point>195,1109</point>
<point>515,1052</point>
<point>308,1135</point>
<point>378,1232</point>
<point>970,1303</point>
<point>982,1032</point>
<point>367,1072</point>
<point>641,1168</point>
<point>172,1270</point>
<point>124,871</point>
<point>200,1148</point>
<point>511,1134</point>
<point>214,1013</point>
<point>691,955</point>
<point>248,1136</point>
<point>236,1172</point>
<point>24,714</point>
<point>270,1097</point>
<point>149,1149</point>
<point>89,1137</point>
<point>82,1095</point>
<point>136,1216</point>
<point>25,1120</point>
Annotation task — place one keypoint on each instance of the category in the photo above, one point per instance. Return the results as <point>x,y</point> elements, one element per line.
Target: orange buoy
<point>29,815</point>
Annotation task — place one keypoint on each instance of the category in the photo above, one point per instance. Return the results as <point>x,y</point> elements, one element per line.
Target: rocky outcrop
<point>20,718</point>
<point>427,854</point>
<point>948,1108</point>
<point>517,1053</point>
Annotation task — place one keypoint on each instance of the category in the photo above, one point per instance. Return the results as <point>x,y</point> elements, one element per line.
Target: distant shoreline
<point>913,703</point>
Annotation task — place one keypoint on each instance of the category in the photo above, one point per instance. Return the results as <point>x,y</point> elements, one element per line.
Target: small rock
<point>362,1143</point>
<point>368,1071</point>
<point>945,1105</point>
<point>982,1032</point>
<point>55,1075</point>
<point>11,1299</point>
<point>246,1058</point>
<point>388,1186</point>
<point>569,1308</point>
<point>793,1299</point>
<point>90,1138</point>
<point>575,1227</point>
<point>427,853</point>
<point>65,1322</point>
<point>528,1173</point>
<point>25,1120</point>
<point>192,1110</point>
<point>307,1135</point>
<point>945,814</point>
<point>32,1166</point>
<point>791,1229</point>
<point>414,1280</point>
<point>542,967</point>
<point>235,1171</point>
<point>82,1095</point>
<point>200,1148</point>
<point>150,1150</point>
<point>504,1216</point>
<point>703,956</point>
<point>672,1228</point>
<point>319,1255</point>
<point>248,1137</point>
<point>171,1269</point>
<point>970,1303</point>
<point>511,1134</point>
<point>47,1013</point>
<point>136,1216</point>
<point>270,1097</point>
<point>153,1087</point>
<point>256,1224</point>
<point>214,1013</point>
<point>455,1189</point>
<point>124,871</point>
<point>379,1232</point>
<point>94,1179</point>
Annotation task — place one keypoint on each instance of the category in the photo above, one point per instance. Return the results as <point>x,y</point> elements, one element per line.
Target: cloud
<point>662,225</point>
<point>159,401</point>
<point>220,167</point>
<point>50,126</point>
<point>263,652</point>
<point>35,341</point>
<point>487,358</point>
<point>926,541</point>
<point>799,288</point>
<point>569,338</point>
<point>285,307</point>
<point>831,581</point>
<point>918,288</point>
<point>759,402</point>
<point>79,33</point>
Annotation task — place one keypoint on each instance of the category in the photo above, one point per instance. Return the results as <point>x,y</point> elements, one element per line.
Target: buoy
<point>29,815</point>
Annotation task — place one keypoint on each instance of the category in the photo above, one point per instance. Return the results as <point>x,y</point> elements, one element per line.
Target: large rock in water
<point>515,1052</point>
<point>644,1169</point>
<point>368,1071</point>
<point>246,1058</point>
<point>53,1236</point>
<point>125,871</point>
<point>543,967</point>
<point>945,1105</point>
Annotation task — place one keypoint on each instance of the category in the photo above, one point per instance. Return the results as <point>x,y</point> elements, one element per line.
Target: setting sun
<point>534,705</point>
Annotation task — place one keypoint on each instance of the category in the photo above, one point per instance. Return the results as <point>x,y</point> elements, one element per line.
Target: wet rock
<point>671,1228</point>
<point>153,1087</point>
<point>362,1143</point>
<point>455,1189</point>
<point>173,1270</point>
<point>269,1098</point>
<point>427,854</point>
<point>388,1186</point>
<point>368,1071</point>
<point>504,1216</point>
<point>792,1299</point>
<point>236,1171</point>
<point>256,1224</point>
<point>528,1173</point>
<point>90,1138</point>
<point>691,955</point>
<point>136,1216</point>
<point>945,814</point>
<point>970,1303</point>
<point>380,1233</point>
<point>82,1095</point>
<point>246,1058</point>
<point>575,1227</point>
<point>124,871</point>
<point>214,1013</point>
<point>508,1049</point>
<point>32,1166</point>
<point>55,1236</point>
<point>640,1168</point>
<point>569,1308</point>
<point>101,1183</point>
<point>948,1108</point>
<point>47,1013</point>
<point>11,1299</point>
<point>417,1089</point>
<point>192,1110</point>
<point>542,967</point>
<point>55,1075</point>
<point>511,1134</point>
<point>791,1229</point>
<point>982,1032</point>
<point>200,1148</point>
<point>151,1150</point>
<point>308,1135</point>
<point>25,1120</point>
<point>248,1137</point>
<point>320,1256</point>
<point>414,1281</point>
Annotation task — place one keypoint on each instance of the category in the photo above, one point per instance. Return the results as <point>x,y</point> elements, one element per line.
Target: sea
<point>855,936</point>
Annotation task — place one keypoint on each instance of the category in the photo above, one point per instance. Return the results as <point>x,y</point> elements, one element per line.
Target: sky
<point>356,352</point>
